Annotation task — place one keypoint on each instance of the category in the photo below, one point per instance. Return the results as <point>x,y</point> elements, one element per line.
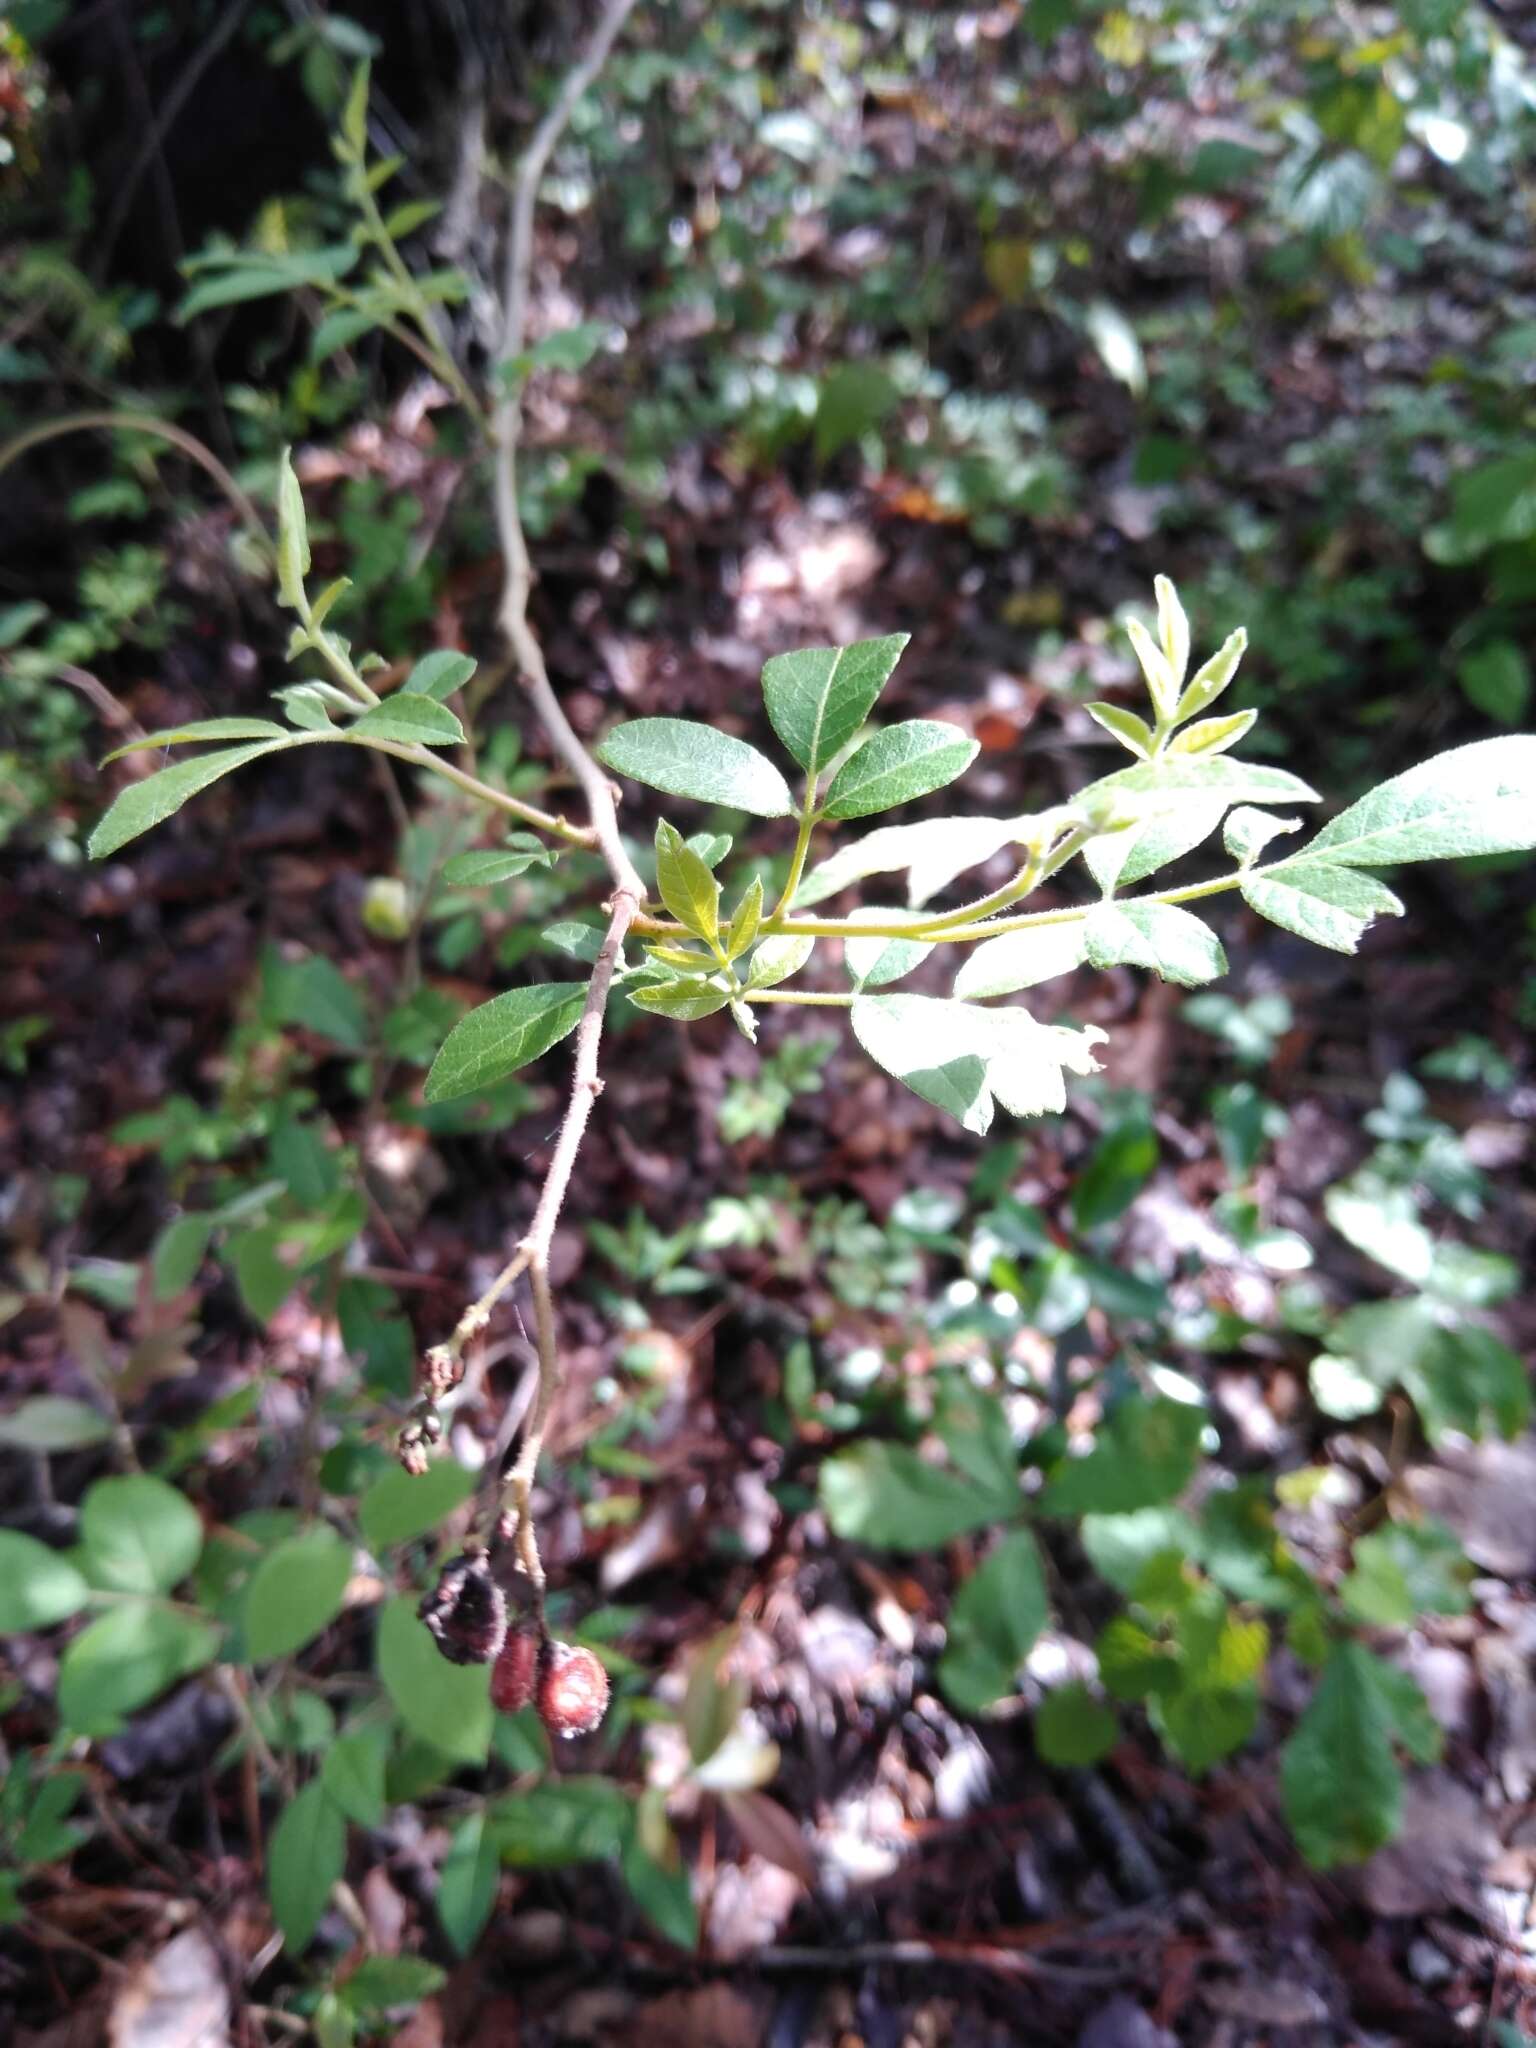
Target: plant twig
<point>628,891</point>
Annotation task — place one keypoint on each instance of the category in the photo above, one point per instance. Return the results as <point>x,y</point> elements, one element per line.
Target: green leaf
<point>570,348</point>
<point>503,1035</point>
<point>1405,1570</point>
<point>1171,782</point>
<point>415,721</point>
<point>178,1254</point>
<point>138,1535</point>
<point>1473,800</point>
<point>1117,1169</point>
<point>1128,729</point>
<point>896,765</point>
<point>684,1001</point>
<point>853,400</point>
<point>1339,1777</point>
<point>688,759</point>
<point>306,1854</point>
<point>1497,679</point>
<point>264,1277</point>
<point>201,729</point>
<point>383,1984</point>
<point>572,1821</point>
<point>439,674</point>
<point>935,851</point>
<point>126,1659</point>
<point>778,959</point>
<point>315,995</point>
<point>488,864</point>
<point>958,1056</point>
<point>143,805</point>
<point>886,1495</point>
<point>745,921</point>
<point>1072,1728</point>
<point>1023,959</point>
<point>339,329</point>
<point>447,1705</point>
<point>38,1587</point>
<point>295,1592</point>
<point>1172,628</point>
<point>993,1623</point>
<point>818,697</point>
<point>1162,685</point>
<point>1145,1453</point>
<point>352,1772</point>
<point>1213,735</point>
<point>400,1506</point>
<point>687,886</point>
<point>467,1883</point>
<point>876,961</point>
<point>53,1422</point>
<point>1208,682</point>
<point>1120,1546</point>
<point>1201,1724</point>
<point>1172,942</point>
<point>661,1889</point>
<point>1247,832</point>
<point>292,534</point>
<point>1332,906</point>
<point>1119,858</point>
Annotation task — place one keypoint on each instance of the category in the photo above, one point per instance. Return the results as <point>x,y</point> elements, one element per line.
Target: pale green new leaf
<point>684,1001</point>
<point>894,766</point>
<point>1119,858</point>
<point>1172,942</point>
<point>1022,959</point>
<point>292,535</point>
<point>1210,680</point>
<point>1473,800</point>
<point>489,864</point>
<point>410,721</point>
<point>688,887</point>
<point>1332,906</point>
<point>778,959</point>
<point>1168,783</point>
<point>503,1035</point>
<point>149,803</point>
<point>744,923</point>
<point>1162,685</point>
<point>1213,735</point>
<point>935,851</point>
<point>876,961</point>
<point>38,1586</point>
<point>958,1056</point>
<point>688,759</point>
<point>818,697</point>
<point>1128,729</point>
<point>201,729</point>
<point>1247,832</point>
<point>1172,628</point>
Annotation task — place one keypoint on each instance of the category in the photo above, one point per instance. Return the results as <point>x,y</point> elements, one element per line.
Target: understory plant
<point>809,908</point>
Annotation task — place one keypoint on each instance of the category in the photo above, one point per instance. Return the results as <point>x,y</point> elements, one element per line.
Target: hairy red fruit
<point>516,1675</point>
<point>573,1691</point>
<point>466,1611</point>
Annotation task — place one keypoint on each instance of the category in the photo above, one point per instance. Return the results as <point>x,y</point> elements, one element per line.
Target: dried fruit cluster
<point>466,1612</point>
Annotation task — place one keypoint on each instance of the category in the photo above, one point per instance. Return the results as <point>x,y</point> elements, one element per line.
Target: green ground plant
<point>997,1454</point>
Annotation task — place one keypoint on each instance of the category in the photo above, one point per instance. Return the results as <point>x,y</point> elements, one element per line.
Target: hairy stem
<point>142,423</point>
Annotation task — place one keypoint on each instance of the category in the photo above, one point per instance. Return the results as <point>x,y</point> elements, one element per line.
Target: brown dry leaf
<point>174,1999</point>
<point>714,2016</point>
<point>1487,1492</point>
<point>770,1832</point>
<point>1440,1857</point>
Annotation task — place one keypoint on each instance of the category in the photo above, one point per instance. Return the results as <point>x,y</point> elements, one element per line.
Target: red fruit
<point>573,1691</point>
<point>516,1672</point>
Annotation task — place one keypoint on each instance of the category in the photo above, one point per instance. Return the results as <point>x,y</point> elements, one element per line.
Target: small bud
<point>441,1371</point>
<point>412,1453</point>
<point>517,1671</point>
<point>506,1526</point>
<point>573,1691</point>
<point>432,1427</point>
<point>466,1611</point>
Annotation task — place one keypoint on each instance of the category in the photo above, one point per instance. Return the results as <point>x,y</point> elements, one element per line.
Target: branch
<point>444,1362</point>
